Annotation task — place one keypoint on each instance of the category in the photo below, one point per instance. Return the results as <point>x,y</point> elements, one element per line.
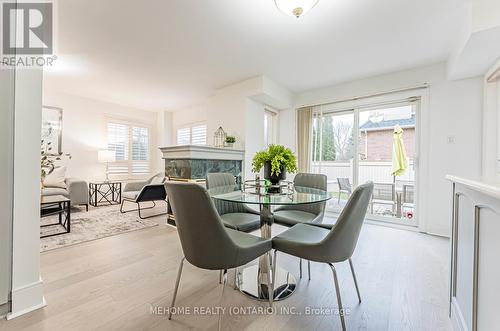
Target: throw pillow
<point>56,178</point>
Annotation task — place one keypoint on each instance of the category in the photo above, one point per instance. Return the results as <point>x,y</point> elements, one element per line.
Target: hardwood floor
<point>112,284</point>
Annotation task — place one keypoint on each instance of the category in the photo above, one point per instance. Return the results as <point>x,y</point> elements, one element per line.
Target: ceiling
<point>167,54</point>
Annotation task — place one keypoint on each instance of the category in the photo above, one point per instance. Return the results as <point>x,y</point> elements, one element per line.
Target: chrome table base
<point>253,283</point>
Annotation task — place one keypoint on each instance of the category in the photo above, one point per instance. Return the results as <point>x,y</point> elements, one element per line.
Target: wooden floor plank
<point>112,284</point>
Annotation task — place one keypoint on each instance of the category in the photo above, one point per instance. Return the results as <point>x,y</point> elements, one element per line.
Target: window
<point>195,134</point>
<point>131,145</point>
<point>270,127</point>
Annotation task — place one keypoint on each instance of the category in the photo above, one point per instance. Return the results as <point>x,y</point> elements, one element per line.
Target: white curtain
<point>304,138</point>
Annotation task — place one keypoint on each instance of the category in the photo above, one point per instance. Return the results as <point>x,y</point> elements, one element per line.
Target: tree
<point>343,140</point>
<point>328,152</point>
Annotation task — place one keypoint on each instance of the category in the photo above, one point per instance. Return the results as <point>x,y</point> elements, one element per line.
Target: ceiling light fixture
<point>295,8</point>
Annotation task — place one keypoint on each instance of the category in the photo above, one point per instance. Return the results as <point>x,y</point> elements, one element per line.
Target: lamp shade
<point>106,156</point>
<point>295,8</point>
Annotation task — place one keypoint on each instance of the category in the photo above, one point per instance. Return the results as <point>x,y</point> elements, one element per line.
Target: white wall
<point>7,81</point>
<point>27,288</point>
<point>85,131</point>
<point>450,109</point>
<point>228,108</point>
<point>239,109</point>
<point>165,135</point>
<point>254,133</point>
<point>491,127</point>
<point>485,14</point>
<point>188,116</point>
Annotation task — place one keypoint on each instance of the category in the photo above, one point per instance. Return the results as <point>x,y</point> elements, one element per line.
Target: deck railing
<point>376,171</point>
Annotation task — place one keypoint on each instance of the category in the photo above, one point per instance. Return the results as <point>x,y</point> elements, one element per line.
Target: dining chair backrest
<point>315,181</point>
<point>152,192</point>
<point>344,184</point>
<point>215,180</point>
<point>204,240</point>
<point>340,243</point>
<point>220,179</point>
<point>408,193</point>
<point>384,191</point>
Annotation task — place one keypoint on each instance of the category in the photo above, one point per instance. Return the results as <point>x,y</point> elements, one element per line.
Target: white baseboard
<point>26,299</point>
<point>457,319</point>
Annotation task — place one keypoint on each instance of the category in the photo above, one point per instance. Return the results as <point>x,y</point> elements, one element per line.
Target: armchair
<point>150,190</point>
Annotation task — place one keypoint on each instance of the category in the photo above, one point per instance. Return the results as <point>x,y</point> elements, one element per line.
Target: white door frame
<point>420,99</point>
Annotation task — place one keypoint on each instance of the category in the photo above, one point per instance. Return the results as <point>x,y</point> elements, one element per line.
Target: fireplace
<point>192,163</point>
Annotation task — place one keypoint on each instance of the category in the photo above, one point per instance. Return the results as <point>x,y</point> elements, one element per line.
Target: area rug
<point>95,224</point>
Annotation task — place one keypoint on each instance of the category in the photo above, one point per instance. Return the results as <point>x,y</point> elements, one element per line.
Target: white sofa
<point>76,190</point>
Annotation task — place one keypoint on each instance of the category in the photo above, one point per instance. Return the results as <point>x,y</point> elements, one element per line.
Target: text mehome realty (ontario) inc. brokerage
<point>247,310</point>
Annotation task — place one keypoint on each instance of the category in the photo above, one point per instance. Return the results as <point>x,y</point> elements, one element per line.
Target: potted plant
<point>277,160</point>
<point>230,140</point>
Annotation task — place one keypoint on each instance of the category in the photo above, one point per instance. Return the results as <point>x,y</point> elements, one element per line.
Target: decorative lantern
<point>219,137</point>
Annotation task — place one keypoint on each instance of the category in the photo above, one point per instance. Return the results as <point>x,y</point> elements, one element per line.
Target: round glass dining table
<point>252,280</point>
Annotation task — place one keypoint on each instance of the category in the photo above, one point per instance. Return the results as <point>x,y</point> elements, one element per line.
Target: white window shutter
<point>199,135</point>
<point>140,151</point>
<point>184,136</point>
<point>131,145</point>
<point>118,139</point>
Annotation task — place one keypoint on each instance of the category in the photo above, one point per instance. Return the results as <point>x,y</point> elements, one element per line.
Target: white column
<point>27,287</point>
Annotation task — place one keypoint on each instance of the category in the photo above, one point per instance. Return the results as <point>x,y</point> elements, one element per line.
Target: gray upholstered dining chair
<point>206,243</point>
<point>329,243</point>
<point>307,213</point>
<point>235,216</point>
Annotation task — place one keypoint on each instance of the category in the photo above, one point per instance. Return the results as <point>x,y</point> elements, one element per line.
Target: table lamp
<point>106,156</point>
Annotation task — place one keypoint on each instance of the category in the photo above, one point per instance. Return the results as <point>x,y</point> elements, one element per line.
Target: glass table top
<point>300,195</point>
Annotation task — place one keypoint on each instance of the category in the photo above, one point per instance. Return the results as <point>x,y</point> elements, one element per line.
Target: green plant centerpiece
<point>277,160</point>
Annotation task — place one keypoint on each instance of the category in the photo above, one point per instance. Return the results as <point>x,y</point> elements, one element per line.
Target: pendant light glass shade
<point>295,8</point>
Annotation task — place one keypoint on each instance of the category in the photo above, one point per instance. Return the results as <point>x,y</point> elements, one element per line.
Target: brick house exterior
<point>376,139</point>
<point>377,145</point>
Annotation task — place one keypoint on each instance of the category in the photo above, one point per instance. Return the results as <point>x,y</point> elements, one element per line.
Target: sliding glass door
<point>333,153</point>
<point>359,145</point>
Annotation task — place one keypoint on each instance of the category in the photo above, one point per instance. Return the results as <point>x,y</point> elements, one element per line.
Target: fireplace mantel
<point>193,163</point>
<point>201,153</point>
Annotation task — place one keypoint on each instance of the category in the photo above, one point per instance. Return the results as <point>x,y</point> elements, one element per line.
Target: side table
<point>56,205</point>
<point>105,193</point>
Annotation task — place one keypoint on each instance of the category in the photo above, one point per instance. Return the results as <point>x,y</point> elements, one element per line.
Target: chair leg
<point>139,209</point>
<point>270,283</point>
<point>220,276</point>
<point>87,207</point>
<point>339,300</point>
<point>179,273</point>
<point>146,217</point>
<point>236,278</point>
<point>121,207</point>
<point>309,268</point>
<point>300,268</point>
<point>224,282</point>
<point>338,202</point>
<point>355,280</point>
